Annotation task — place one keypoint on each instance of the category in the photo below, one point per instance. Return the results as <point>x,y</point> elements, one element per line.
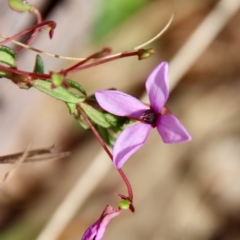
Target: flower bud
<point>145,53</point>
<point>19,5</point>
<point>124,204</point>
<point>57,79</point>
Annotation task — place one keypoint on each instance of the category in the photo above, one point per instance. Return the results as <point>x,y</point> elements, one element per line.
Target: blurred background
<point>186,191</point>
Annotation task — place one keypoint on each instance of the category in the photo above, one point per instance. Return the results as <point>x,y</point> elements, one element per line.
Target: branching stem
<point>38,16</point>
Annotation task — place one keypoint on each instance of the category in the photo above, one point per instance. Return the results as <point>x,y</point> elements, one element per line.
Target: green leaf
<point>60,92</point>
<point>7,56</point>
<point>104,134</point>
<point>95,115</point>
<point>76,86</point>
<point>111,119</point>
<point>19,5</point>
<point>116,121</point>
<point>83,123</point>
<point>112,140</point>
<point>72,108</point>
<point>38,68</point>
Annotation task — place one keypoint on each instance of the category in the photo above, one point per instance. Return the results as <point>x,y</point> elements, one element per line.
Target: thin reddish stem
<point>123,55</point>
<point>99,138</point>
<point>93,56</point>
<point>38,16</point>
<point>71,69</point>
<point>52,25</point>
<point>25,73</point>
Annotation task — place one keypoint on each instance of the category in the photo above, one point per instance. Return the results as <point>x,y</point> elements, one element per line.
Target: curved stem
<point>38,16</point>
<point>128,185</point>
<point>52,25</point>
<point>99,138</point>
<point>158,35</point>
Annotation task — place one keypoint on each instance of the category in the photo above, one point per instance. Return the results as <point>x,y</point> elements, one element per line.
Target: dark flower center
<point>149,116</point>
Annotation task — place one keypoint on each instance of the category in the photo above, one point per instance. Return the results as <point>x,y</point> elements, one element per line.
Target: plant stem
<point>74,68</point>
<point>114,57</point>
<point>93,56</point>
<point>99,138</point>
<point>25,73</point>
<point>38,16</point>
<point>51,24</point>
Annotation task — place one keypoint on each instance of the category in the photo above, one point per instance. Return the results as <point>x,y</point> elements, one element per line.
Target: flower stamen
<point>149,117</point>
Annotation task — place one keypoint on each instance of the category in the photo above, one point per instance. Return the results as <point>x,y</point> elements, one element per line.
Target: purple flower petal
<point>129,141</point>
<point>97,230</point>
<point>91,232</point>
<point>171,130</point>
<point>120,104</point>
<point>157,86</point>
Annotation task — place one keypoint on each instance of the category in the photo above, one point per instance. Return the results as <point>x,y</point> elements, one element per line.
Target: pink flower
<point>134,136</point>
<point>96,230</point>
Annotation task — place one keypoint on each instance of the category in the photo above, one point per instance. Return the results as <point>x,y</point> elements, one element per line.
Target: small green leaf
<point>60,93</point>
<point>116,121</point>
<point>112,140</point>
<point>111,119</point>
<point>76,86</point>
<point>82,123</point>
<point>19,5</point>
<point>104,134</point>
<point>38,68</point>
<point>72,108</point>
<point>7,56</point>
<point>95,115</point>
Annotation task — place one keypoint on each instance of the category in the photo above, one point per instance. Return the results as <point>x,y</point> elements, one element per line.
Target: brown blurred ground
<point>188,191</point>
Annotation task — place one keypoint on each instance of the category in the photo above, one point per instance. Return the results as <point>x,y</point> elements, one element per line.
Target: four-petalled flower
<point>134,136</point>
<point>97,230</point>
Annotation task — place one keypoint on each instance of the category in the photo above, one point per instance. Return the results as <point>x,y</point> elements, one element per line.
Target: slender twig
<point>15,167</point>
<point>11,159</point>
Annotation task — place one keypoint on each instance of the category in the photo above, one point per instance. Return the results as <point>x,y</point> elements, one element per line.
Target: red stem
<point>95,55</point>
<point>71,69</point>
<point>20,72</point>
<point>123,55</point>
<point>52,24</point>
<point>38,15</point>
<point>95,132</point>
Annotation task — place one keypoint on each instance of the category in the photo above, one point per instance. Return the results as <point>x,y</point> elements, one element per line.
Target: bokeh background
<point>186,191</point>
